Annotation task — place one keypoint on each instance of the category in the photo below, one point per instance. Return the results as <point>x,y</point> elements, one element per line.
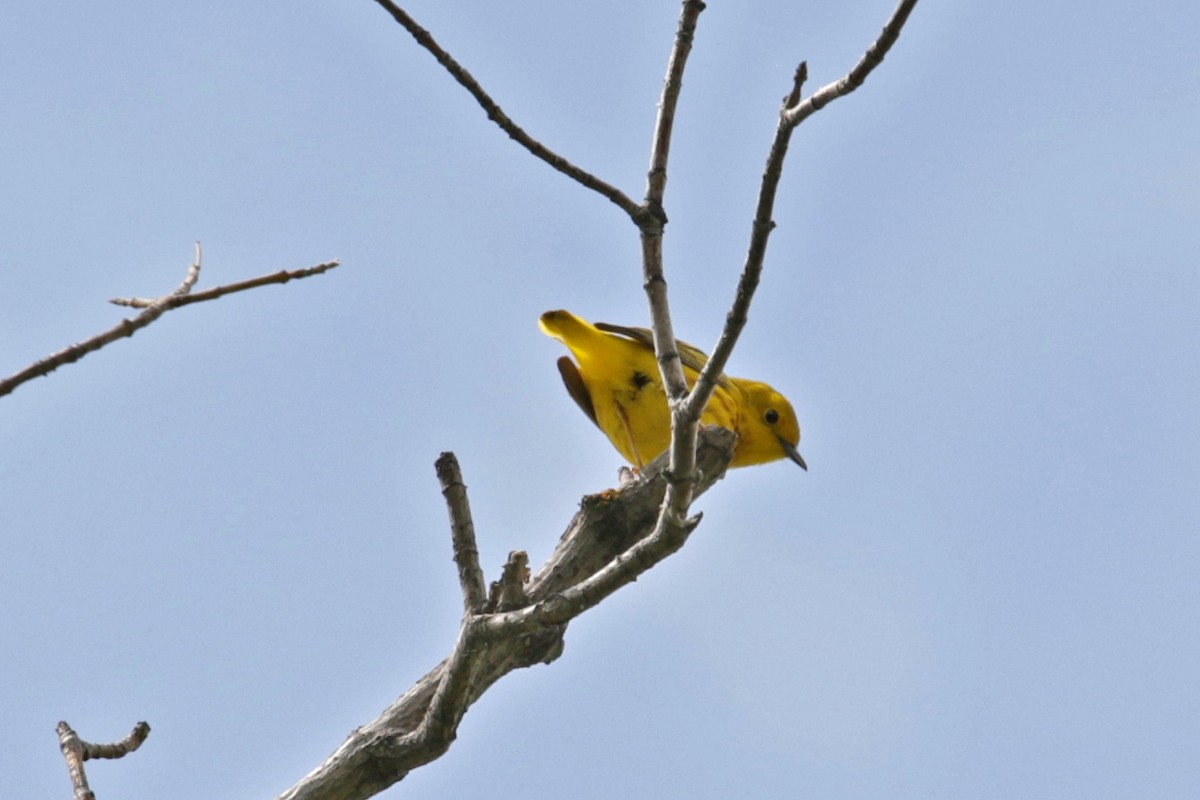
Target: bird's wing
<point>577,388</point>
<point>692,357</point>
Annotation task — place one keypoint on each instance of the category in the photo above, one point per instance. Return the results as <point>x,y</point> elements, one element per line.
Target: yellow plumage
<point>618,386</point>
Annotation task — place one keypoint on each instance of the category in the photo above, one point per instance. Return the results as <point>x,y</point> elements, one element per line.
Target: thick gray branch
<point>617,535</point>
<point>605,547</point>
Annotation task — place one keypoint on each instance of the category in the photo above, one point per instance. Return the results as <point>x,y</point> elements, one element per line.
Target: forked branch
<point>608,544</point>
<point>795,110</point>
<point>874,56</point>
<point>75,751</point>
<point>617,535</point>
<point>152,310</point>
<point>651,218</point>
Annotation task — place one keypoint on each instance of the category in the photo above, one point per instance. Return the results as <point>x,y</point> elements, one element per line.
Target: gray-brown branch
<point>794,112</point>
<point>506,124</point>
<point>608,544</point>
<point>462,533</point>
<point>152,310</point>
<point>75,751</point>
<point>617,535</point>
<point>672,523</point>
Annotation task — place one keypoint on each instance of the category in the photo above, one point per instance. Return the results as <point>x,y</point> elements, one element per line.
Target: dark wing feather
<point>576,387</point>
<point>691,356</point>
<point>642,336</point>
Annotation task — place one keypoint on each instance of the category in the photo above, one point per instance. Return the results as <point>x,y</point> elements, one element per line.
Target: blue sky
<point>982,298</point>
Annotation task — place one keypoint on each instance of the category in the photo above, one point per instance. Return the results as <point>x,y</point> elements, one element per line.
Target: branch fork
<point>615,537</point>
<point>75,751</point>
<point>650,215</point>
<point>611,541</point>
<point>522,620</point>
<point>152,309</point>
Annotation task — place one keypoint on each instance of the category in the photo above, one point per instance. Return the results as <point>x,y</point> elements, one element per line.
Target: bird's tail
<point>566,327</point>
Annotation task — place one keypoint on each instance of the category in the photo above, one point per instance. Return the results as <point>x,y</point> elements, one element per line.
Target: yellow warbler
<point>618,386</point>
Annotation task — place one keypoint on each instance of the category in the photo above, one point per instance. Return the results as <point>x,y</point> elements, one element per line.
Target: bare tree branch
<point>649,216</point>
<point>509,592</point>
<point>641,523</point>
<point>614,538</point>
<point>605,547</point>
<point>793,113</point>
<point>664,123</point>
<point>656,186</point>
<point>76,751</point>
<point>283,276</point>
<point>497,115</point>
<point>672,524</point>
<point>462,530</point>
<point>153,309</point>
<point>855,77</point>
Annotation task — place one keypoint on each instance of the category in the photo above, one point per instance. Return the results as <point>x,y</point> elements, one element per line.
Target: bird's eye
<point>771,416</point>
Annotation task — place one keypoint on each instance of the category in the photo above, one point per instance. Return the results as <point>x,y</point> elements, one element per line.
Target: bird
<point>617,384</point>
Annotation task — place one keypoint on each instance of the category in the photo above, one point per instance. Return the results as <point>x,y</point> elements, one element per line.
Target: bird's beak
<point>792,452</point>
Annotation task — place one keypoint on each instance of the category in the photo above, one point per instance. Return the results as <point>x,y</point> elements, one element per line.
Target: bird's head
<point>769,430</point>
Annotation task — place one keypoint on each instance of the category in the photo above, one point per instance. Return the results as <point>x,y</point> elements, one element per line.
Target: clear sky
<point>982,297</point>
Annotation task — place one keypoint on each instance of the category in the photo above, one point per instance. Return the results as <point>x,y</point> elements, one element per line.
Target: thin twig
<point>153,309</point>
<point>497,115</point>
<point>75,751</point>
<point>462,533</point>
<point>664,123</point>
<point>125,327</point>
<point>656,186</point>
<point>283,276</point>
<point>794,112</point>
<point>798,81</point>
<point>855,77</point>
<point>684,426</point>
<point>509,591</point>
